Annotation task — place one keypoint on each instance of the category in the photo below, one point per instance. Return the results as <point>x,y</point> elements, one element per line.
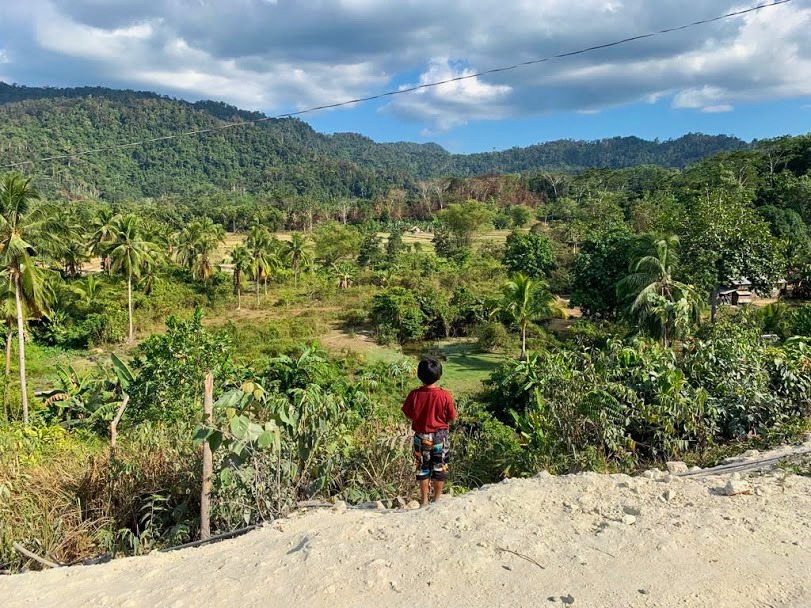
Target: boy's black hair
<point>429,370</point>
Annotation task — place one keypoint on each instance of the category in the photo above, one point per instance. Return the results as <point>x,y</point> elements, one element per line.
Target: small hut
<point>737,293</point>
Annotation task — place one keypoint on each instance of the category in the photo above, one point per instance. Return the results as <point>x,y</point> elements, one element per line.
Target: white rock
<point>628,520</point>
<point>414,504</point>
<point>379,505</point>
<point>667,495</point>
<point>676,467</point>
<point>737,486</point>
<point>751,454</point>
<point>339,506</point>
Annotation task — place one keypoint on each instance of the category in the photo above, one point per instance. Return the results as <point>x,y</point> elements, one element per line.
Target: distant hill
<point>285,156</point>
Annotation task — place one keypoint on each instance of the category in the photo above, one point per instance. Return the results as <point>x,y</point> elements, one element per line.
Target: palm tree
<point>18,222</point>
<point>102,234</point>
<point>659,304</point>
<point>260,246</point>
<point>241,259</point>
<point>89,294</point>
<point>196,242</point>
<point>297,254</point>
<point>526,300</point>
<point>130,254</point>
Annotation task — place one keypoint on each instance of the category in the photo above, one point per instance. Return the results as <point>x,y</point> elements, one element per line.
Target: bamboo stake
<point>35,557</point>
<point>208,465</point>
<point>114,425</point>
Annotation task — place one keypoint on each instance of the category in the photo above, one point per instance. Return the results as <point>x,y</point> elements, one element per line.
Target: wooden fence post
<point>208,465</point>
<point>114,425</point>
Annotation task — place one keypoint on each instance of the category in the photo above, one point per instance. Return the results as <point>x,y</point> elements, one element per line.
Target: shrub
<point>396,312</point>
<point>494,337</point>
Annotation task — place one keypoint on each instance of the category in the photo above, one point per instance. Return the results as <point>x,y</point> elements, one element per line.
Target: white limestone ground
<point>588,540</point>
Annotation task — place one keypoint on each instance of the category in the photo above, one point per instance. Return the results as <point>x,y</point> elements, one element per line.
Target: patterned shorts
<point>431,454</point>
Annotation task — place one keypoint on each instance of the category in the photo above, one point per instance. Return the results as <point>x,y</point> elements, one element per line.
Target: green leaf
<point>122,372</point>
<point>269,439</point>
<point>201,434</point>
<point>239,427</point>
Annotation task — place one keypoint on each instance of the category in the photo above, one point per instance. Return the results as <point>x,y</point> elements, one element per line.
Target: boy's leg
<point>439,461</point>
<point>438,489</point>
<point>422,457</point>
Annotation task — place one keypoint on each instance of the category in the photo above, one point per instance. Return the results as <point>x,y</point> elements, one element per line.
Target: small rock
<point>751,454</point>
<point>628,520</point>
<point>414,504</point>
<point>506,567</point>
<point>400,502</point>
<point>651,474</point>
<point>482,544</point>
<point>543,475</point>
<point>552,598</point>
<point>339,506</point>
<point>695,469</point>
<point>567,599</point>
<point>735,476</point>
<point>395,587</point>
<point>676,467</point>
<point>379,505</point>
<point>643,591</point>
<point>632,510</point>
<point>667,495</point>
<point>737,486</point>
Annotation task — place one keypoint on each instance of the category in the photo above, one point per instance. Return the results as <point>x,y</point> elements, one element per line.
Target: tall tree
<point>660,305</point>
<point>130,254</point>
<point>19,224</point>
<point>297,254</point>
<point>526,300</point>
<point>195,245</point>
<point>241,259</point>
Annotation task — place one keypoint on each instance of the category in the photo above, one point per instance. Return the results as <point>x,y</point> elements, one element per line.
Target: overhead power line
<point>405,90</point>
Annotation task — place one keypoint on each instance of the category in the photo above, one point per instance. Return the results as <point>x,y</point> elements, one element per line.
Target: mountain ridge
<point>285,155</point>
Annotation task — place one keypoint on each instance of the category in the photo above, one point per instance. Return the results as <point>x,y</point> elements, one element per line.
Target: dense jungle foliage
<point>274,157</point>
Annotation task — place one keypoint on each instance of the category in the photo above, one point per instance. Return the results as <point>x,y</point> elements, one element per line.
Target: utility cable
<point>405,90</point>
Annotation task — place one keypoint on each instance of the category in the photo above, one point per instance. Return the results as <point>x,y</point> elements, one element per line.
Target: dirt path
<point>591,540</point>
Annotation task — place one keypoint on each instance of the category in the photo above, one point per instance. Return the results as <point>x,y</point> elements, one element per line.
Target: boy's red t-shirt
<point>429,409</point>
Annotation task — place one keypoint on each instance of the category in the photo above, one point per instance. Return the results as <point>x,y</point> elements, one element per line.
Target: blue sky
<point>749,76</point>
<point>648,121</point>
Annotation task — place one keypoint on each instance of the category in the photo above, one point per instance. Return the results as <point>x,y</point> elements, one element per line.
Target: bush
<point>494,337</point>
<point>397,313</point>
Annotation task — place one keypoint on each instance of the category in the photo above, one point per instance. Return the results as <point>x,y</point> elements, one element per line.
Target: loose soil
<point>589,540</point>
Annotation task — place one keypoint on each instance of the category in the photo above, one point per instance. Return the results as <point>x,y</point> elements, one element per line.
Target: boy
<point>430,409</point>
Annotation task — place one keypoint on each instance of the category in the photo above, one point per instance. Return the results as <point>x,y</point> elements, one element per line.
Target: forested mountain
<point>283,156</point>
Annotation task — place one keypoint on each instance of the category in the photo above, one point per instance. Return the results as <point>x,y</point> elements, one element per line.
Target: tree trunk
<point>239,298</point>
<point>523,343</point>
<point>208,466</point>
<point>257,292</point>
<point>9,340</point>
<point>129,305</point>
<point>21,348</point>
<point>714,305</point>
<point>266,287</point>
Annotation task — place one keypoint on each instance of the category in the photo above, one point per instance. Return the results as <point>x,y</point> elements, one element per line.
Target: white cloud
<point>277,56</point>
<point>4,56</point>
